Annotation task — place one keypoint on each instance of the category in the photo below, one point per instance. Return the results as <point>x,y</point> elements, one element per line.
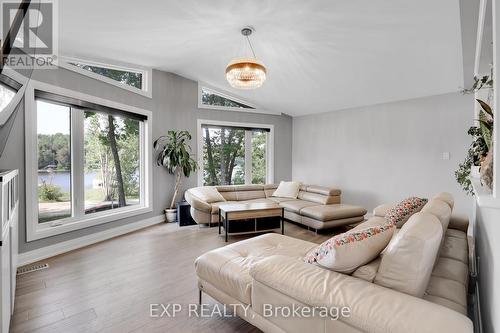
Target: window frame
<point>146,90</point>
<point>36,230</point>
<point>248,147</point>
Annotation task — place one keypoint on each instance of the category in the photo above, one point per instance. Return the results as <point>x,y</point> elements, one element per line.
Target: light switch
<point>446,156</point>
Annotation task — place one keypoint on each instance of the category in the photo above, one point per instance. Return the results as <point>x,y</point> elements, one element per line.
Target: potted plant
<point>174,153</point>
<point>479,150</point>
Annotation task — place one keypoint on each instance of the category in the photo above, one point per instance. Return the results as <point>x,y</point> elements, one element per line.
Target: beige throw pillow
<point>209,194</point>
<point>287,190</point>
<point>346,252</point>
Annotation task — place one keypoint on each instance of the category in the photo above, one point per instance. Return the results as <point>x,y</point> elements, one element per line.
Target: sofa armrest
<point>197,203</point>
<point>372,308</point>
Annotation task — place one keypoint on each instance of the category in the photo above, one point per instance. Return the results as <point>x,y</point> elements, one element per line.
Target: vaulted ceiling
<point>322,55</point>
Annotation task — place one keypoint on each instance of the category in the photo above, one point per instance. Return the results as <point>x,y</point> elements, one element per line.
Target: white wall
<point>488,251</point>
<point>384,153</point>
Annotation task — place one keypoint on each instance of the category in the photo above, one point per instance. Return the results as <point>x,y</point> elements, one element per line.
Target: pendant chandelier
<point>246,73</point>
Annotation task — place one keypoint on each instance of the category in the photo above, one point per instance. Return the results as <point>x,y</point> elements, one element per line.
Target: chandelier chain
<point>251,48</point>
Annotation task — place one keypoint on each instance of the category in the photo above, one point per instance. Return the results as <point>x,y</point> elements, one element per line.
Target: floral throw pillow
<point>346,252</point>
<point>399,214</point>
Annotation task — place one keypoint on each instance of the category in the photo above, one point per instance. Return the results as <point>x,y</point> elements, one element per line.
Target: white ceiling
<point>322,55</point>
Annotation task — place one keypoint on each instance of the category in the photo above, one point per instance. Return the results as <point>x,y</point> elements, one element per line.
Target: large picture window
<point>233,154</point>
<point>90,163</point>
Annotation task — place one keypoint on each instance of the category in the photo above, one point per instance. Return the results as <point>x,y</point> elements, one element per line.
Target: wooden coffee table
<point>262,215</point>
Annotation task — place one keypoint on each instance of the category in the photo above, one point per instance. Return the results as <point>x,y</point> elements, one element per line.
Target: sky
<point>52,118</point>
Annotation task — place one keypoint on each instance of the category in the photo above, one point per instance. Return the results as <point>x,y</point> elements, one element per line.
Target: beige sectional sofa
<point>269,269</point>
<point>317,207</point>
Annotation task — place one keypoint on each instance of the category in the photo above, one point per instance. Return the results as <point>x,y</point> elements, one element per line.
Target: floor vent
<point>31,268</point>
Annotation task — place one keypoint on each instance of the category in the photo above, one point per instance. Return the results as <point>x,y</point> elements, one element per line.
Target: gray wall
<point>174,106</point>
<point>488,251</point>
<point>384,153</point>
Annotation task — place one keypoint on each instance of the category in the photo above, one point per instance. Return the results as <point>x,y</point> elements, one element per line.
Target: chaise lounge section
<point>270,270</point>
<point>316,207</point>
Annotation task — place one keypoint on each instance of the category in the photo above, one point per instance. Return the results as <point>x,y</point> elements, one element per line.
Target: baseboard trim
<point>73,244</point>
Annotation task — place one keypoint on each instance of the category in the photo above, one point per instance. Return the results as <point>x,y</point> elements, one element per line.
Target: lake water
<point>63,179</point>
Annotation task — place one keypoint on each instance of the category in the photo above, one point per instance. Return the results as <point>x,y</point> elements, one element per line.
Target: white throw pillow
<point>208,194</point>
<point>287,190</point>
<point>346,252</point>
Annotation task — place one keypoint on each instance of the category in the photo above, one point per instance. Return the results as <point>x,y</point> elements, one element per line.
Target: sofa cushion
<point>382,209</point>
<point>407,263</point>
<point>296,206</point>
<point>215,205</point>
<point>399,214</point>
<point>332,212</point>
<point>451,269</point>
<point>449,289</point>
<point>446,303</point>
<point>250,195</point>
<point>446,197</point>
<point>279,200</point>
<point>441,210</point>
<point>367,272</point>
<point>323,190</point>
<point>455,248</point>
<point>208,194</point>
<point>319,198</point>
<point>371,222</point>
<point>346,252</point>
<point>227,267</point>
<point>287,190</point>
<point>456,233</point>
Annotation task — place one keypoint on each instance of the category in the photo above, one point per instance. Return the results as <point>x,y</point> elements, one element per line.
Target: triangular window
<point>214,99</point>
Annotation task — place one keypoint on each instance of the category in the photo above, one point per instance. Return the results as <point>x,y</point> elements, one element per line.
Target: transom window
<point>133,78</point>
<point>212,98</point>
<point>89,164</point>
<point>234,154</point>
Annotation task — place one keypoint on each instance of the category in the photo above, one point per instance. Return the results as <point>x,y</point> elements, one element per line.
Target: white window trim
<point>147,73</point>
<point>35,230</point>
<point>269,148</point>
<point>224,94</point>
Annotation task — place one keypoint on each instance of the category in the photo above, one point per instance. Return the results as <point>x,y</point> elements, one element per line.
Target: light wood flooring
<point>109,286</point>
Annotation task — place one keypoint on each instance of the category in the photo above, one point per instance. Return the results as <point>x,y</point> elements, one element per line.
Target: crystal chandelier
<point>246,73</point>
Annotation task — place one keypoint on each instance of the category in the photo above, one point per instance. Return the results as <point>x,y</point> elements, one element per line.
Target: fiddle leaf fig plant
<point>174,153</point>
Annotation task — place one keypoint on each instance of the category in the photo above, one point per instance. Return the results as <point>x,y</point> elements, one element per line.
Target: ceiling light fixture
<point>246,73</point>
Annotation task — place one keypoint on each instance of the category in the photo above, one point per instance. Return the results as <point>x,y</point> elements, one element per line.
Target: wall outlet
<point>446,156</point>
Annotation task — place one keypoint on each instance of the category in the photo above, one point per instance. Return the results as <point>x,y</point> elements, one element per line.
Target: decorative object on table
<point>174,153</point>
<point>479,149</point>
<point>184,214</point>
<point>246,73</point>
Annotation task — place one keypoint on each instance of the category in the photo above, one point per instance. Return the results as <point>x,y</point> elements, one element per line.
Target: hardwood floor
<point>109,286</point>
